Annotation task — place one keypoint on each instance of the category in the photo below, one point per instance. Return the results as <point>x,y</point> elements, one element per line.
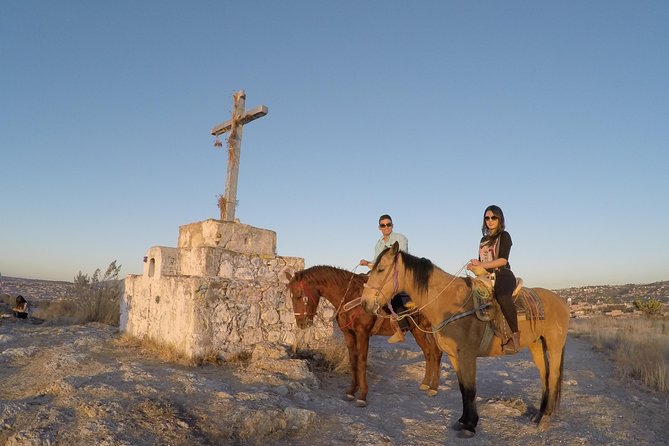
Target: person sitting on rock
<point>21,308</point>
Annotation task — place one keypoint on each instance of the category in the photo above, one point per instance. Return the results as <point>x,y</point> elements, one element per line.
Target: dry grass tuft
<point>167,353</point>
<point>95,299</point>
<point>6,299</point>
<point>156,350</point>
<point>329,356</point>
<point>79,310</point>
<point>243,357</point>
<point>639,346</point>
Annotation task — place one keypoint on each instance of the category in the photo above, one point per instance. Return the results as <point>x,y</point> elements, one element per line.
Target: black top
<point>503,249</point>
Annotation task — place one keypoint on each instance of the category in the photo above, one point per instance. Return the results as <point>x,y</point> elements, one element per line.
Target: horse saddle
<point>528,307</point>
<point>528,304</point>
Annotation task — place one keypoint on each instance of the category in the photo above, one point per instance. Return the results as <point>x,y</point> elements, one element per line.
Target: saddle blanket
<point>528,305</point>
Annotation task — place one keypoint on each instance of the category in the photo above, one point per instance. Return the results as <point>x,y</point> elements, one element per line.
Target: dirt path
<point>77,385</point>
<point>596,407</point>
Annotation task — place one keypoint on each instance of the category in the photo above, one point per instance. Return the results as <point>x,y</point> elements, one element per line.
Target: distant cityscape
<point>615,294</point>
<point>35,289</point>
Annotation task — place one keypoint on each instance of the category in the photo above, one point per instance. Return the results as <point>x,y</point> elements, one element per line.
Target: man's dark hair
<point>385,217</point>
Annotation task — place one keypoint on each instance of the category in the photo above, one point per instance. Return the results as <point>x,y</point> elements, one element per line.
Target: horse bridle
<point>306,297</point>
<point>379,289</point>
<point>445,322</point>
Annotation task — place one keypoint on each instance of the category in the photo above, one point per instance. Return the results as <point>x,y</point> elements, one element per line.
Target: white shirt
<point>392,238</point>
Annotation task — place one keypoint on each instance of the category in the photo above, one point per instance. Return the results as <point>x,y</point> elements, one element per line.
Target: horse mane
<point>421,268</point>
<point>324,274</point>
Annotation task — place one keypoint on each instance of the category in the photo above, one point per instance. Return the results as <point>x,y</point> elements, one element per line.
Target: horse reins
<point>307,297</point>
<point>354,303</point>
<point>456,316</point>
<point>343,298</point>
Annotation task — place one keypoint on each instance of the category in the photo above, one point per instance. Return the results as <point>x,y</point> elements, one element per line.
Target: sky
<point>429,111</point>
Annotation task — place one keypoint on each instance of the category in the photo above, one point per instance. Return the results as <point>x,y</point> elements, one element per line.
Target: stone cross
<point>235,126</point>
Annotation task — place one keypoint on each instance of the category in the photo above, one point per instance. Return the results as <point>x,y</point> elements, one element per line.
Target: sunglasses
<point>494,217</point>
<point>388,225</point>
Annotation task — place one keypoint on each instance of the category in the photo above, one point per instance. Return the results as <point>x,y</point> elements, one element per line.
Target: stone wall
<point>221,292</point>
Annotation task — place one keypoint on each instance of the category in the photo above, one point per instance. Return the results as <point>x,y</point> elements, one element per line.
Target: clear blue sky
<point>429,111</point>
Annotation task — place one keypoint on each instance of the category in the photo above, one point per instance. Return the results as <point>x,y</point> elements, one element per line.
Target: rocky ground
<point>84,385</point>
<point>35,290</point>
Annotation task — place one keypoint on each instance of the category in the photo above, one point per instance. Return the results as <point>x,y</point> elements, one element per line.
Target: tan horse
<point>340,287</point>
<point>446,302</point>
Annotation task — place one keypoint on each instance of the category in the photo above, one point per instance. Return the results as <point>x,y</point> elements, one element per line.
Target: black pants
<point>398,302</point>
<point>505,283</point>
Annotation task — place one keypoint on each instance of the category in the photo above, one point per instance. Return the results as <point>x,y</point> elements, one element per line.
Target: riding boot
<point>510,314</point>
<point>512,344</point>
<point>398,336</point>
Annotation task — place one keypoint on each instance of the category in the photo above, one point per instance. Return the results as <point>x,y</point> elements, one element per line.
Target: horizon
<point>2,276</point>
<point>556,112</point>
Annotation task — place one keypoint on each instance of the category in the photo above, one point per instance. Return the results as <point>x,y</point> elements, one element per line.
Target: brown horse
<point>340,287</point>
<point>446,301</point>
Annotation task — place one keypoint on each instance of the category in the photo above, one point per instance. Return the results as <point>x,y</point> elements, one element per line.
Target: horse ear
<point>396,248</point>
<point>288,278</point>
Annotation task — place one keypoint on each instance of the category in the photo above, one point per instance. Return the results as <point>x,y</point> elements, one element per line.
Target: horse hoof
<point>544,423</point>
<point>361,403</point>
<point>464,433</point>
<point>350,397</point>
<point>431,392</point>
<point>457,426</point>
<point>424,387</point>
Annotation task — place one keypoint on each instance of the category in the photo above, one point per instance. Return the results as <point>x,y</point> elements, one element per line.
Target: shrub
<point>96,299</point>
<point>6,299</point>
<point>650,307</point>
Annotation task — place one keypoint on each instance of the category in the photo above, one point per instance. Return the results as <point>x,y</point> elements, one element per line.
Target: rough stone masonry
<point>220,292</point>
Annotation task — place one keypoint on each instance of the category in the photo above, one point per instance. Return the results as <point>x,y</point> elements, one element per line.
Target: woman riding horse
<point>446,301</point>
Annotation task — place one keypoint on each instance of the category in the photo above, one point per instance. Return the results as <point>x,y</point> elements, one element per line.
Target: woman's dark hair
<point>496,211</point>
<point>20,300</point>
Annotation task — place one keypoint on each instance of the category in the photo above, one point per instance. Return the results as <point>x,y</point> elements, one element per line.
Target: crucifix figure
<point>234,126</point>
